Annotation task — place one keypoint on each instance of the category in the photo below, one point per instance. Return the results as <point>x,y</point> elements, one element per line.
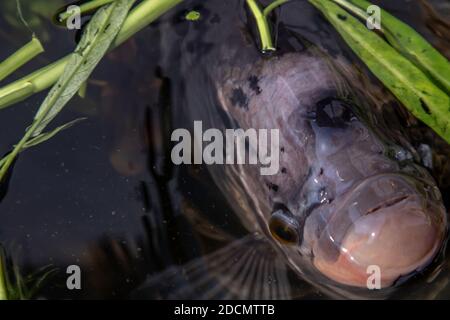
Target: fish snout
<point>388,227</point>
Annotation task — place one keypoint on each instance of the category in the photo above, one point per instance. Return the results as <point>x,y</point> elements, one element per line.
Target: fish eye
<point>284,228</point>
<point>333,113</point>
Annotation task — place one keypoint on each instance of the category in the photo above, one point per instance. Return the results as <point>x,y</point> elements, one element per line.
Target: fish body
<point>351,195</point>
<point>344,201</point>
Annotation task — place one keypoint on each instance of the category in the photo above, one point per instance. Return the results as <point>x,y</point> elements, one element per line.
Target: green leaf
<point>48,135</point>
<point>43,137</point>
<point>96,40</point>
<point>411,44</point>
<point>14,285</point>
<point>407,82</point>
<point>99,35</point>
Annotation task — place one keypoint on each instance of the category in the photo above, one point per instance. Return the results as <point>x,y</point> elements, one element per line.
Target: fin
<point>248,268</point>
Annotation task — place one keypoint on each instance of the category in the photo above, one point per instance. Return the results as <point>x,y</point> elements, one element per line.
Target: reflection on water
<point>105,195</point>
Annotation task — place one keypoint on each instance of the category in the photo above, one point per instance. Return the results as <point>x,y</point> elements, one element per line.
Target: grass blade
<point>99,34</point>
<point>48,135</point>
<point>406,81</point>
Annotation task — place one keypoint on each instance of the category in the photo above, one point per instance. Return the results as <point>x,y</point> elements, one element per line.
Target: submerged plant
<point>15,286</point>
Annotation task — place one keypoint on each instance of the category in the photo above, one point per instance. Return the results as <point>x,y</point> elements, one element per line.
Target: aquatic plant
<point>15,286</point>
<point>71,72</point>
<point>68,75</point>
<point>416,73</point>
<point>20,57</point>
<point>97,38</point>
<point>261,17</point>
<point>85,7</point>
<point>409,43</point>
<point>142,15</point>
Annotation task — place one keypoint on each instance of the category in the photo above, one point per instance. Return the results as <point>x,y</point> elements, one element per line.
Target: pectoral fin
<point>248,268</point>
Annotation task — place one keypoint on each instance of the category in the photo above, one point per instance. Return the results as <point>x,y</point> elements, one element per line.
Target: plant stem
<point>16,150</point>
<point>20,57</point>
<point>263,26</point>
<point>273,6</point>
<point>3,289</point>
<point>144,13</point>
<point>84,8</point>
<point>77,72</point>
<point>262,23</point>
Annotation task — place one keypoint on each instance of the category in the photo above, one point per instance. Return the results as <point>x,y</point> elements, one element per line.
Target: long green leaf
<point>407,82</point>
<point>410,43</point>
<point>48,135</point>
<point>96,40</point>
<point>44,137</point>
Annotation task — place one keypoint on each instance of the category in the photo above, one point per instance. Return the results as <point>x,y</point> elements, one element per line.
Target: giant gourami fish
<point>342,204</point>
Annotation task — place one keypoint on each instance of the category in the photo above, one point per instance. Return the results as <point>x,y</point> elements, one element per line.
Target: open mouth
<point>384,222</point>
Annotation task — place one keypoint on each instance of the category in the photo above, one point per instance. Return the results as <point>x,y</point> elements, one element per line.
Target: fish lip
<point>333,208</point>
<point>360,184</point>
<point>365,180</point>
<point>388,203</point>
<point>341,199</point>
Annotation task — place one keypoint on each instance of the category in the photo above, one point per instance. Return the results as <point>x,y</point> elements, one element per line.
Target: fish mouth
<point>388,203</point>
<point>389,222</point>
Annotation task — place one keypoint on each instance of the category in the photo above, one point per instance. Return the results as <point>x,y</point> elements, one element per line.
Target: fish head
<point>370,213</point>
<point>390,222</point>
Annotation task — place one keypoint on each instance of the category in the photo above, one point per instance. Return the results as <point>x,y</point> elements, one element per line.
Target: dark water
<point>104,195</point>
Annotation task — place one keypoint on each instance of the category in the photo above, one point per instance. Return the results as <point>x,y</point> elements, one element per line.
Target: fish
<point>351,193</point>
